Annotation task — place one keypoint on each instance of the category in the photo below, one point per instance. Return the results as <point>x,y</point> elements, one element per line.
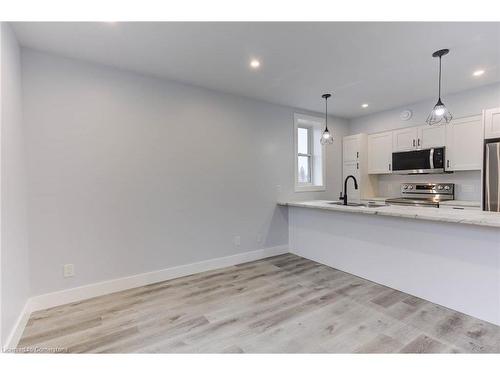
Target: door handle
<point>357,165</point>
<point>418,144</point>
<point>357,154</point>
<point>413,143</point>
<point>447,164</point>
<point>389,166</point>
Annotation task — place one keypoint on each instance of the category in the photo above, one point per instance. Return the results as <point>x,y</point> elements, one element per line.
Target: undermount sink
<point>353,204</point>
<point>340,203</point>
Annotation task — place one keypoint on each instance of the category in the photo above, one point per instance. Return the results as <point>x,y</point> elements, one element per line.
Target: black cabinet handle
<point>357,154</point>
<point>413,143</point>
<point>357,165</point>
<point>389,166</point>
<point>418,142</point>
<point>447,164</point>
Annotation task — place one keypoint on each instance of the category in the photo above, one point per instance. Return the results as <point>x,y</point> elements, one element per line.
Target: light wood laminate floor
<point>279,304</point>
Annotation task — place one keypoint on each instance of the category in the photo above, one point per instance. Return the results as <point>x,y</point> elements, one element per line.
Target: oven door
<point>419,161</point>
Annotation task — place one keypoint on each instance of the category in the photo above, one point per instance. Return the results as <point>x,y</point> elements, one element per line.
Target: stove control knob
<point>410,187</point>
<point>446,188</point>
<point>440,187</point>
<point>405,187</point>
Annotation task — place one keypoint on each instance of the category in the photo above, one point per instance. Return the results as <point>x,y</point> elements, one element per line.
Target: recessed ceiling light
<point>254,63</point>
<point>364,105</point>
<point>478,73</point>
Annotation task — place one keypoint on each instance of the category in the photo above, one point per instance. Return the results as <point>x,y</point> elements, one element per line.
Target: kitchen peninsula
<point>449,257</point>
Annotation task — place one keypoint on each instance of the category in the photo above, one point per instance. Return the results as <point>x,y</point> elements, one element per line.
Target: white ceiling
<point>384,64</point>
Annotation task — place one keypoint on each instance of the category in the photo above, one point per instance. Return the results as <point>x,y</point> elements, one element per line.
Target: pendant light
<point>326,137</point>
<point>439,112</point>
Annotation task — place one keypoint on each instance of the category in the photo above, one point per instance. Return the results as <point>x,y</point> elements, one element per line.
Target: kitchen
<point>158,197</point>
<point>438,170</point>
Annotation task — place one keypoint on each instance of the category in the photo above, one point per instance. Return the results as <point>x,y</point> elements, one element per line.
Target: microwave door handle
<point>431,158</point>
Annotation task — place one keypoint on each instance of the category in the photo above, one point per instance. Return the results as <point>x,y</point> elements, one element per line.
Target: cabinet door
<point>352,168</point>
<point>431,136</point>
<point>351,149</point>
<point>405,139</point>
<point>492,123</point>
<point>379,153</point>
<point>464,144</point>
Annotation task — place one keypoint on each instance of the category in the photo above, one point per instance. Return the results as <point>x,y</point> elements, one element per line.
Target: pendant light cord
<point>439,90</point>
<point>326,114</point>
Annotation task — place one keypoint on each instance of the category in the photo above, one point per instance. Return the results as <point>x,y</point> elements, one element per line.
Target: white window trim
<point>300,120</point>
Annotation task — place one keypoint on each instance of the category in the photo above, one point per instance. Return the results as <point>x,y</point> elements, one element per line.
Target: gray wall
<point>462,104</point>
<point>129,174</point>
<point>14,245</point>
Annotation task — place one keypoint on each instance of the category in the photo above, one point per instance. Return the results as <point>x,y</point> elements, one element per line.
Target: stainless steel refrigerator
<point>492,176</point>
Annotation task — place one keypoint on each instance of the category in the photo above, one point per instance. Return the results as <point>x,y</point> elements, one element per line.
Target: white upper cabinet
<point>404,139</point>
<point>464,144</point>
<point>420,137</point>
<point>351,148</point>
<point>380,153</point>
<point>491,123</point>
<point>431,136</point>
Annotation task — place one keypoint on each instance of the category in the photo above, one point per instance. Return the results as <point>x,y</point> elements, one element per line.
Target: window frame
<point>309,155</point>
<point>313,124</point>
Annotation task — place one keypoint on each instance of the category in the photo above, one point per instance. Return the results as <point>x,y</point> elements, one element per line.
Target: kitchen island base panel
<point>449,264</point>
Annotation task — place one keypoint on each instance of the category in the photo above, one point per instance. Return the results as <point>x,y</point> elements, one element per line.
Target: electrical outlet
<point>69,270</point>
<point>237,240</point>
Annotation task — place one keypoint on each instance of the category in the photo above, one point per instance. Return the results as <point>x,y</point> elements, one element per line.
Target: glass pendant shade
<point>326,137</point>
<point>439,112</point>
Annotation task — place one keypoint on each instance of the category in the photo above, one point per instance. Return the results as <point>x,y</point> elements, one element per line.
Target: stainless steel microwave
<point>430,160</point>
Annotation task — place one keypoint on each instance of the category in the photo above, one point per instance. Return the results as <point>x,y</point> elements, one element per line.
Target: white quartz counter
<point>472,217</point>
<point>458,203</point>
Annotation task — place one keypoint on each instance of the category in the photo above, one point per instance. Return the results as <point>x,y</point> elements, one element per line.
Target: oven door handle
<point>431,158</point>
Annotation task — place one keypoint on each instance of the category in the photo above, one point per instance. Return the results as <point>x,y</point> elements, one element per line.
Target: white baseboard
<point>18,329</point>
<point>62,297</point>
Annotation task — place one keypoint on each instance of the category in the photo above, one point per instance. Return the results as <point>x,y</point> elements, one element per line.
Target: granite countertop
<point>461,203</point>
<point>472,217</point>
<point>374,199</point>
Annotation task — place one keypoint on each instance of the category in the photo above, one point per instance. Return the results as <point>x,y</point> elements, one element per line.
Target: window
<point>309,154</point>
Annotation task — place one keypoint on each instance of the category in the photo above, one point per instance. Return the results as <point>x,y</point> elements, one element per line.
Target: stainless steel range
<point>423,194</point>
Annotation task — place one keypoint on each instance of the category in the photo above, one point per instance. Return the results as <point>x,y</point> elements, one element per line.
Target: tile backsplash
<point>467,184</point>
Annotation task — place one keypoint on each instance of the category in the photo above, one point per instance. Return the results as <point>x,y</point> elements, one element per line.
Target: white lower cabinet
<point>380,153</point>
<point>464,144</point>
